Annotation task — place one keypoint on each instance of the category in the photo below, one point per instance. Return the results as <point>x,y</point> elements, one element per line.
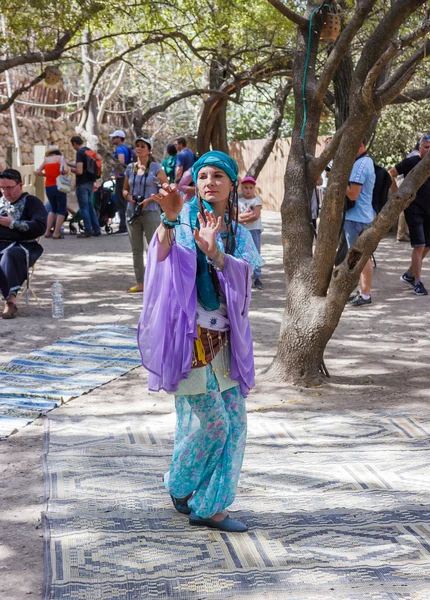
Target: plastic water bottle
<point>57,300</point>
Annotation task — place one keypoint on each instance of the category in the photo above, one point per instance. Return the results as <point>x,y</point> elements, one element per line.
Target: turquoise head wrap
<point>206,292</point>
<point>215,158</point>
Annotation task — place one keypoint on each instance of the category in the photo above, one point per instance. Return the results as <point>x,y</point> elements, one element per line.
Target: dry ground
<point>379,357</point>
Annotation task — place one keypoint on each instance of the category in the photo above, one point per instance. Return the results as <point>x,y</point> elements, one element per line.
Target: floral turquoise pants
<point>209,446</point>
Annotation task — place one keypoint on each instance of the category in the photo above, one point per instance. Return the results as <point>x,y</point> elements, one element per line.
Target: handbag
<point>63,182</point>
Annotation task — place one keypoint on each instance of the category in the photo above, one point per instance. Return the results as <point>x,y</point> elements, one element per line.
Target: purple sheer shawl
<point>167,326</point>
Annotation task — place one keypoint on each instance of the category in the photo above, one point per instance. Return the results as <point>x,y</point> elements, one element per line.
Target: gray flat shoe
<point>226,524</point>
<point>180,505</point>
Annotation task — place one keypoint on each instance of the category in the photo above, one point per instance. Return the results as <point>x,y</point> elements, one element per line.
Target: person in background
<point>402,227</point>
<point>185,158</point>
<point>169,163</point>
<point>250,218</point>
<point>359,191</point>
<point>186,186</point>
<point>142,179</point>
<point>53,166</point>
<point>22,221</point>
<point>122,155</point>
<point>417,216</point>
<point>325,174</point>
<point>85,180</point>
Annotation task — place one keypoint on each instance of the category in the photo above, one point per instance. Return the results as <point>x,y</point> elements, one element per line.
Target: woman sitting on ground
<point>195,339</point>
<point>53,166</point>
<point>141,180</point>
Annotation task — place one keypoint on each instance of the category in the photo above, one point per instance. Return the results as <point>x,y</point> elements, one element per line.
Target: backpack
<point>94,163</point>
<point>382,187</point>
<point>132,156</point>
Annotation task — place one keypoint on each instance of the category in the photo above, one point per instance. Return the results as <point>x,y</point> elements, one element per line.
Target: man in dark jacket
<point>22,220</point>
<point>417,216</point>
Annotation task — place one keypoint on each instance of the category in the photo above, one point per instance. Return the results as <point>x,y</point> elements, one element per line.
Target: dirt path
<point>379,357</point>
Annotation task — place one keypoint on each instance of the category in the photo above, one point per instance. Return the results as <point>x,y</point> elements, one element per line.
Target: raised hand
<point>169,199</point>
<point>205,237</point>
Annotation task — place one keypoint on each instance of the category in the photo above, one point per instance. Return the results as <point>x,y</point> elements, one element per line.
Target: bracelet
<point>169,224</point>
<point>215,261</point>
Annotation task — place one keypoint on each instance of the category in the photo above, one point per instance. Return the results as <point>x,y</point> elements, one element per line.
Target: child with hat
<point>250,217</point>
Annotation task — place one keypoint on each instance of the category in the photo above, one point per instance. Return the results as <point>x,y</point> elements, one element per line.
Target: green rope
<point>305,71</point>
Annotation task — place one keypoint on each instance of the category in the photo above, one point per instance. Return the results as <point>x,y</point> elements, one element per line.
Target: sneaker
<point>120,232</point>
<point>407,279</point>
<point>84,235</point>
<point>97,234</point>
<point>359,301</point>
<point>419,289</point>
<point>258,284</point>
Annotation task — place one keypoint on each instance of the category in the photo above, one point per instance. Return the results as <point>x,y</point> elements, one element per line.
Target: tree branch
<point>38,57</point>
<point>342,46</point>
<point>317,165</point>
<point>20,91</point>
<point>260,161</point>
<point>402,70</point>
<point>375,71</point>
<point>413,96</point>
<point>382,35</point>
<point>109,63</point>
<point>395,89</point>
<point>290,14</point>
<point>195,92</point>
<point>112,93</point>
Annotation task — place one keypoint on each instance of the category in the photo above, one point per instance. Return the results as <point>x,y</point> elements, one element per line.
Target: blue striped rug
<point>34,384</point>
<point>337,505</point>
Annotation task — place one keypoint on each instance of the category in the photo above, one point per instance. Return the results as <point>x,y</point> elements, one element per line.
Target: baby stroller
<point>104,205</point>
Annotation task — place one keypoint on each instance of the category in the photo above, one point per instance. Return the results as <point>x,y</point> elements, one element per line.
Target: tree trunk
<point>309,319</point>
<point>316,290</point>
<point>218,139</point>
<point>304,334</point>
<point>90,119</point>
<point>342,86</point>
<point>272,135</point>
<point>212,130</point>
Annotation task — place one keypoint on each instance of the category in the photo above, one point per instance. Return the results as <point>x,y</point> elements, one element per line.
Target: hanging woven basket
<point>331,28</point>
<point>52,76</point>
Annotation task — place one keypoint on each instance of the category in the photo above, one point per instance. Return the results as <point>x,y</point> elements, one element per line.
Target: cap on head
<point>118,133</point>
<point>249,180</point>
<point>147,140</point>
<point>425,138</point>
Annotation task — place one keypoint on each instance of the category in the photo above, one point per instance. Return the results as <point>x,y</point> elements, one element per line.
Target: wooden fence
<point>270,183</point>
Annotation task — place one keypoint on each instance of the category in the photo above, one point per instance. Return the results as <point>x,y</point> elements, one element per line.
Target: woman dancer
<point>142,179</point>
<point>195,339</point>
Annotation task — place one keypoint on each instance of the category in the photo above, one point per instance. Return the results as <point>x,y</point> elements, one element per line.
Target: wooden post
<point>39,151</point>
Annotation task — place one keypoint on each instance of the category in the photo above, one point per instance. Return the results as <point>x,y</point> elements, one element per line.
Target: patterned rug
<point>34,384</point>
<point>337,505</point>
